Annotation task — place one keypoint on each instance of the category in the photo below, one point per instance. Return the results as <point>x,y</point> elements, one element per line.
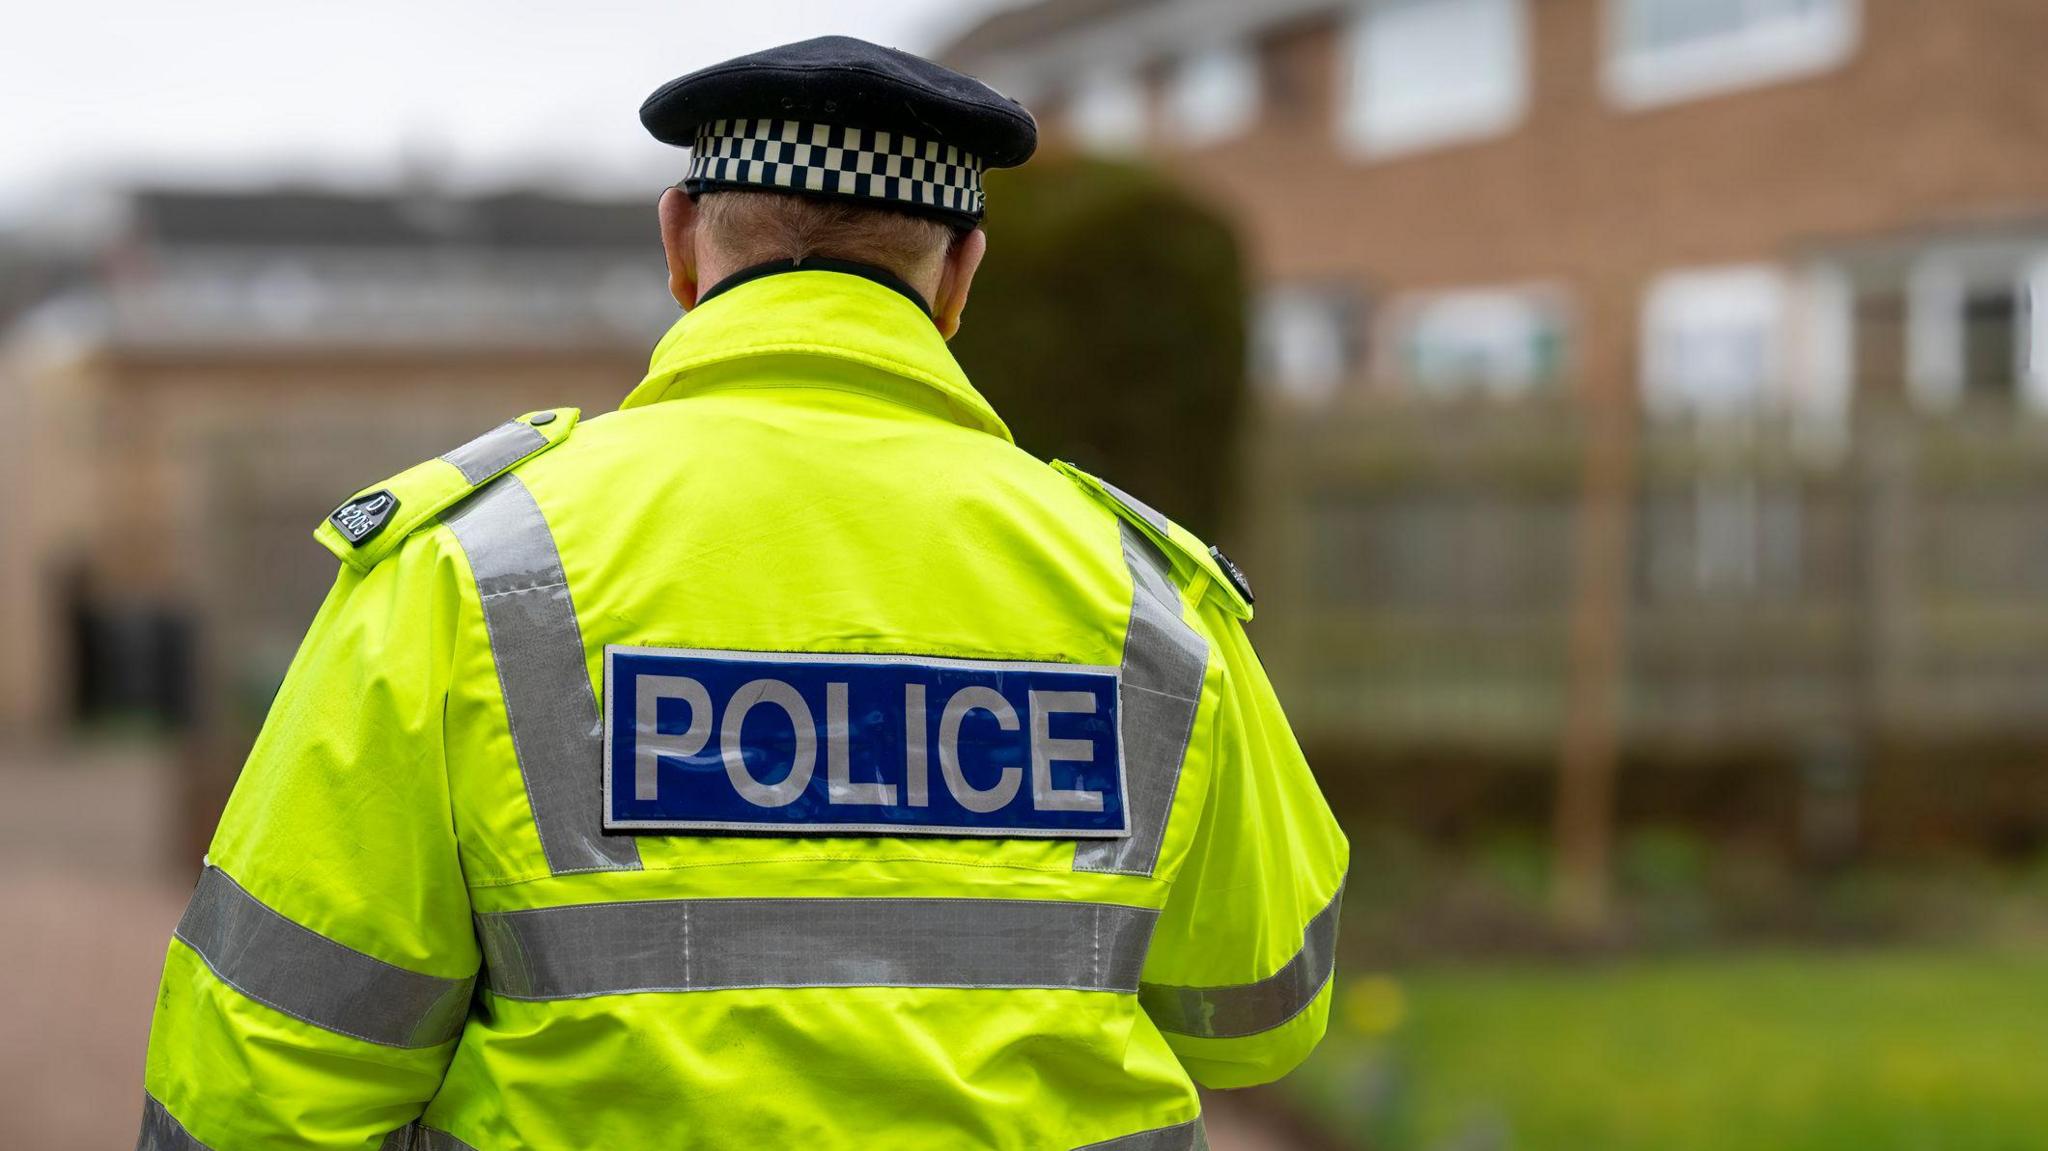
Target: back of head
<point>748,227</point>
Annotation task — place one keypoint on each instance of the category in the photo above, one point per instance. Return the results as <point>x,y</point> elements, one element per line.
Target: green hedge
<point>1107,326</point>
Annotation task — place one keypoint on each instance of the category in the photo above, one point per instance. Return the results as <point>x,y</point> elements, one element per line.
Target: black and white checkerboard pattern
<point>847,161</point>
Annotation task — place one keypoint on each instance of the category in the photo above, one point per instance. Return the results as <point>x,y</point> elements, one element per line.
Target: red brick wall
<point>1940,116</point>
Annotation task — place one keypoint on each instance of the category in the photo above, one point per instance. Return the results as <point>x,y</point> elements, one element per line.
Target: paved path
<point>89,904</point>
<point>89,908</point>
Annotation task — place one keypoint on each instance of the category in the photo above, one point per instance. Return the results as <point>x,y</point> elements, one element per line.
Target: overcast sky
<point>478,91</point>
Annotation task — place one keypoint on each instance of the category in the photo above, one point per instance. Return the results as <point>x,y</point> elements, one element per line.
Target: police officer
<point>785,759</point>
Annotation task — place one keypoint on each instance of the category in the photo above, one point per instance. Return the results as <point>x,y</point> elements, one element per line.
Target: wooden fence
<point>1786,583</point>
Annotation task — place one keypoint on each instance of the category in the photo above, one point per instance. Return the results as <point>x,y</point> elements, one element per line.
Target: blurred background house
<point>1643,471</point>
<point>203,380</point>
<point>1646,380</point>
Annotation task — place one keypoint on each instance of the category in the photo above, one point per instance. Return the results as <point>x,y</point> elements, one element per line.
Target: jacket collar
<point>830,314</point>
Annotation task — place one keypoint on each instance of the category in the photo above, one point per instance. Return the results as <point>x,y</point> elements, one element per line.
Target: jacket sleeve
<point>314,989</point>
<point>1240,971</point>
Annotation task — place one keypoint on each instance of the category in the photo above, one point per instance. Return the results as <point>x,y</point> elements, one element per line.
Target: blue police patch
<point>830,744</point>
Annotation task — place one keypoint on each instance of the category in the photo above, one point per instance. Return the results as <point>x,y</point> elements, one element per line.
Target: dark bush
<point>1108,328</point>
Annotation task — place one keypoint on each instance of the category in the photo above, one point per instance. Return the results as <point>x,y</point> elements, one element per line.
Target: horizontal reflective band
<point>1249,1008</point>
<point>537,646</point>
<point>1188,1136</point>
<point>722,944</point>
<point>496,450</point>
<point>313,979</point>
<point>161,1130</point>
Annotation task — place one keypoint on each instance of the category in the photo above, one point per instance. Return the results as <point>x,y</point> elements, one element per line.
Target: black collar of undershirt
<point>882,276</point>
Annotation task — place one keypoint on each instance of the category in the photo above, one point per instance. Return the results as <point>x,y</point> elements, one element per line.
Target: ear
<point>679,241</point>
<point>963,259</point>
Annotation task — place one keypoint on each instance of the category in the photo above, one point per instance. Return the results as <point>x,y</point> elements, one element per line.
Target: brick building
<point>1643,378</point>
<point>1736,203</point>
<point>195,388</point>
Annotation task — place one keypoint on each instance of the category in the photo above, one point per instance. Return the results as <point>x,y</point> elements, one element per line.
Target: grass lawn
<point>1887,1051</point>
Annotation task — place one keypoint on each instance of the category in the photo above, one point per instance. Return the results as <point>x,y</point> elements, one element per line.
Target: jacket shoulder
<point>1192,559</point>
<point>371,524</point>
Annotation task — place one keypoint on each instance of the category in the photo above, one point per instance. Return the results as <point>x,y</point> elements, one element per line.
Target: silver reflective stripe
<point>1161,687</point>
<point>425,1138</point>
<point>538,648</point>
<point>721,944</point>
<point>310,977</point>
<point>1188,1136</point>
<point>161,1130</point>
<point>1249,1008</point>
<point>496,450</point>
<point>1144,510</point>
<point>400,1140</point>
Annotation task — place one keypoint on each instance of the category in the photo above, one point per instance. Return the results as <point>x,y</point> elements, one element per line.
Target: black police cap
<point>840,117</point>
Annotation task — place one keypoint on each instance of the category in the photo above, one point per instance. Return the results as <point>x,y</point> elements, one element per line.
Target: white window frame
<point>1727,294</point>
<point>1110,110</point>
<point>1937,292</point>
<point>1534,307</point>
<point>1364,130</point>
<point>1764,54</point>
<point>1213,93</point>
<point>1306,341</point>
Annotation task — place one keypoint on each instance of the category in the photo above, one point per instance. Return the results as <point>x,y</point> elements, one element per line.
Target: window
<point>1214,94</point>
<point>1503,342</point>
<point>1716,345</point>
<point>1661,51</point>
<point>1304,342</point>
<point>1431,72</point>
<point>1108,112</point>
<point>1714,341</point>
<point>1970,327</point>
<point>2034,382</point>
<point>1992,317</point>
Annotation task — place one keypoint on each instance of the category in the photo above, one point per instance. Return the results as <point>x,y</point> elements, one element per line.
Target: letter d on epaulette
<point>363,517</point>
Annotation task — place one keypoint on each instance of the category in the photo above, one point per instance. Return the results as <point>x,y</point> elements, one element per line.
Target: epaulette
<point>1190,557</point>
<point>372,523</point>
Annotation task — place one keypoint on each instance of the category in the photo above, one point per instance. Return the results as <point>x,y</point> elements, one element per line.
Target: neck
<point>883,276</point>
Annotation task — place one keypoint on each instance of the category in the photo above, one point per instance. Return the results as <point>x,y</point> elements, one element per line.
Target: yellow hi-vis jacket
<point>784,760</point>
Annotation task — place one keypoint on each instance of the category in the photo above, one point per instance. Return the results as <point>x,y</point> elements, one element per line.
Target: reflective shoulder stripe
<point>1197,560</point>
<point>537,646</point>
<point>496,450</point>
<point>1249,1008</point>
<point>1144,511</point>
<point>677,945</point>
<point>1161,689</point>
<point>412,499</point>
<point>1188,1136</point>
<point>161,1130</point>
<point>308,976</point>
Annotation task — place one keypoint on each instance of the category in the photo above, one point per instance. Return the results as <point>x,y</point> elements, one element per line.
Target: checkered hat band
<point>803,157</point>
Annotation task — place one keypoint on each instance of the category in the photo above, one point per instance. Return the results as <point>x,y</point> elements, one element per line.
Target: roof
<point>319,218</point>
<point>317,269</point>
<point>1033,22</point>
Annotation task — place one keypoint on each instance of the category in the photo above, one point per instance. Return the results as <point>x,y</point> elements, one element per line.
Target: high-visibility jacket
<point>415,929</point>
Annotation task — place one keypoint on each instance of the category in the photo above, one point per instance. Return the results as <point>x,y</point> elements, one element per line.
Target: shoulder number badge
<point>1235,573</point>
<point>363,517</point>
